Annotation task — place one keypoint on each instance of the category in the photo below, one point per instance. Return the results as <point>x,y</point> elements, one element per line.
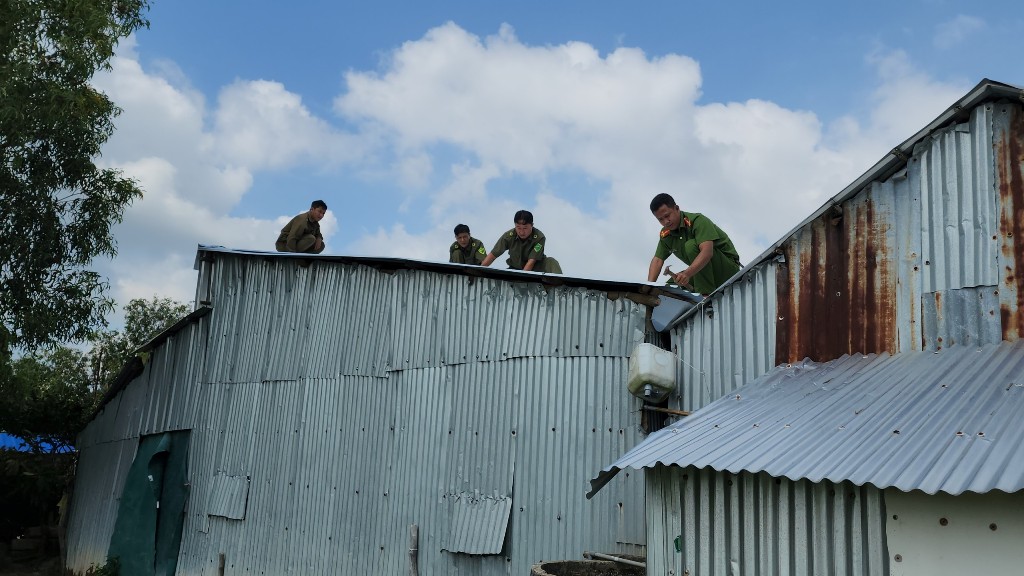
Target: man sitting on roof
<point>302,233</point>
<point>466,249</point>
<point>695,240</point>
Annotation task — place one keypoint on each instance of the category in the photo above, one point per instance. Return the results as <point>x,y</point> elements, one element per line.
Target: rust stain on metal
<point>1009,154</point>
<point>838,295</point>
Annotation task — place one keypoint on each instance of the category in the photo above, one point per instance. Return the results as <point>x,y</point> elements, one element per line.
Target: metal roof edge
<point>650,289</point>
<point>173,329</point>
<point>135,366</point>
<point>985,91</point>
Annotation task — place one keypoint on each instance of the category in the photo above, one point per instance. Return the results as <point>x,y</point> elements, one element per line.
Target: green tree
<point>143,319</point>
<point>56,205</point>
<point>48,399</point>
<point>50,394</point>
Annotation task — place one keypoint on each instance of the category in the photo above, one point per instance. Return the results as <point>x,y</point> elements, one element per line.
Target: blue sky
<point>410,117</point>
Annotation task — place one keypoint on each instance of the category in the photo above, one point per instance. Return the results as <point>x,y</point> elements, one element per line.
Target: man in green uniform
<point>466,249</point>
<point>525,245</point>
<point>694,239</point>
<point>302,233</point>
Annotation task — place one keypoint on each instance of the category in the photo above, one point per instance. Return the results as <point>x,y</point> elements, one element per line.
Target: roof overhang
<point>946,421</point>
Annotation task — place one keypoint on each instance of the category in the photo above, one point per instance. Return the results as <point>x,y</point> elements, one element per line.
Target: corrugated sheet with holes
<point>945,421</point>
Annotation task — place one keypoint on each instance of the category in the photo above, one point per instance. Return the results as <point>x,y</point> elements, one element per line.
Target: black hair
<point>461,228</point>
<point>318,204</point>
<point>662,200</point>
<point>523,217</point>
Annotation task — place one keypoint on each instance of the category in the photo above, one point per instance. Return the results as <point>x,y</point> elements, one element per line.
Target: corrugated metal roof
<point>946,421</point>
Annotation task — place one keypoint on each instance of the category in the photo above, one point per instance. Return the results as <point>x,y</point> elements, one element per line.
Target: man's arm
<point>707,250</point>
<point>490,258</point>
<point>655,269</point>
<point>529,265</point>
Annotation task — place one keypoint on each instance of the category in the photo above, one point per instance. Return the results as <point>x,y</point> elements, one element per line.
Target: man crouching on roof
<point>302,233</point>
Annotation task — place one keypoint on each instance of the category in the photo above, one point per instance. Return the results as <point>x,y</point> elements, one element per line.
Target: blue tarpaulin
<point>13,442</point>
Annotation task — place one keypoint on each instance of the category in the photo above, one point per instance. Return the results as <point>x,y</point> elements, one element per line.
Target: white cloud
<point>194,175</point>
<point>475,129</point>
<point>259,124</point>
<point>956,31</point>
<point>631,125</point>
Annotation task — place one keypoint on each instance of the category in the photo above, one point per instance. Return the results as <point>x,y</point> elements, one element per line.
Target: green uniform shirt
<point>520,251</point>
<point>474,253</point>
<point>685,242</point>
<point>299,235</point>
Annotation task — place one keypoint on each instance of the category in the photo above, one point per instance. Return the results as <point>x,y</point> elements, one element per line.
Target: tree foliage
<point>56,205</point>
<point>48,399</point>
<point>49,395</point>
<point>143,319</point>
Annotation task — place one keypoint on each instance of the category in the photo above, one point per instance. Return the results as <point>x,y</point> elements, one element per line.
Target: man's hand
<point>681,278</point>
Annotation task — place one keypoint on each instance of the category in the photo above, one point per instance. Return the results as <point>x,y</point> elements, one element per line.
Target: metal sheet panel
<point>932,421</point>
<point>959,205</point>
<point>754,524</point>
<point>99,479</point>
<point>852,280</point>
<point>355,446</point>
<point>478,523</point>
<point>731,342</point>
<point>228,496</point>
<point>838,294</point>
<point>1008,140</point>
<point>966,317</point>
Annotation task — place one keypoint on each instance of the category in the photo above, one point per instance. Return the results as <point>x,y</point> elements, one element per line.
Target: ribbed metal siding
<point>99,478</point>
<point>404,319</point>
<point>1008,141</point>
<point>228,496</point>
<point>753,524</point>
<point>931,228</point>
<point>350,449</point>
<point>339,472</point>
<point>837,292</point>
<point>477,523</point>
<point>967,317</point>
<point>728,343</point>
<point>959,204</point>
<point>950,225</point>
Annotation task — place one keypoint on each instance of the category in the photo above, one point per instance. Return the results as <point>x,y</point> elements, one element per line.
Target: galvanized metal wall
<point>728,343</point>
<point>1008,141</point>
<point>335,405</point>
<point>167,396</point>
<point>753,524</point>
<point>926,259</point>
<point>923,260</point>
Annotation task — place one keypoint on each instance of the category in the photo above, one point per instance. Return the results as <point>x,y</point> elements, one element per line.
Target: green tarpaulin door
<point>147,533</point>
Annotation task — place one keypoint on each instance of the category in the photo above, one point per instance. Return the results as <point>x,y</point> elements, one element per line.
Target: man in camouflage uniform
<point>694,239</point>
<point>525,246</point>
<point>466,249</point>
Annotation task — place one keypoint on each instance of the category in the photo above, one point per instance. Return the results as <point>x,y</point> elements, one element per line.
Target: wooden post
<point>414,550</point>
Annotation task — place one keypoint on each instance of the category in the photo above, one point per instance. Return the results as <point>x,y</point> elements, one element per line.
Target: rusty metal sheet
<point>1008,142</point>
<point>837,294</point>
